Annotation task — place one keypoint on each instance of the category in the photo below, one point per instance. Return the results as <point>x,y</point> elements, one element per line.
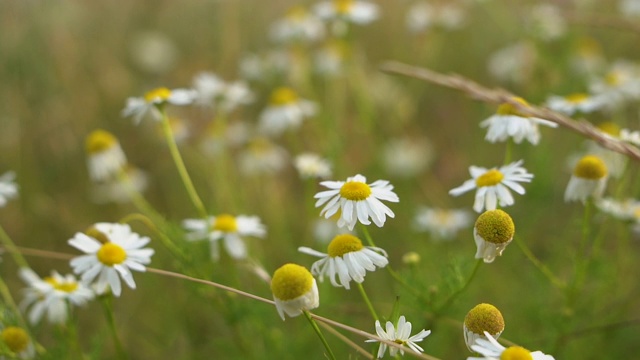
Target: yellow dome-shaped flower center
<point>343,7</point>
<point>355,190</point>
<point>343,244</point>
<point>97,234</point>
<point>291,281</point>
<point>484,317</point>
<point>510,109</point>
<point>225,223</point>
<point>99,141</point>
<point>577,98</point>
<point>495,226</point>
<point>157,95</point>
<point>490,178</point>
<point>609,127</point>
<point>15,338</point>
<point>111,254</point>
<point>283,96</point>
<point>67,287</point>
<point>516,353</point>
<point>590,167</point>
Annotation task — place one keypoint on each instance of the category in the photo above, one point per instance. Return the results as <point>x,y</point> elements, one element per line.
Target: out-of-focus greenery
<point>67,67</point>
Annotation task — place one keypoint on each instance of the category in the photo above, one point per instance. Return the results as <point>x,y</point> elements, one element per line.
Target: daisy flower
<point>483,318</point>
<point>620,84</point>
<point>285,111</point>
<point>152,101</point>
<point>514,63</point>
<point>490,349</point>
<point>8,188</point>
<point>311,166</point>
<point>153,52</point>
<point>112,251</point>
<point>405,157</point>
<point>17,341</point>
<point>493,185</point>
<point>422,16</point>
<point>357,201</point>
<point>297,25</point>
<point>230,229</point>
<point>214,92</point>
<point>546,22</point>
<point>354,11</point>
<point>509,122</point>
<point>262,156</point>
<point>399,334</point>
<point>493,231</point>
<point>294,290</point>
<point>588,180</point>
<point>120,190</point>
<point>330,59</point>
<point>442,224</point>
<point>51,295</point>
<point>105,158</point>
<point>577,102</point>
<point>347,258</point>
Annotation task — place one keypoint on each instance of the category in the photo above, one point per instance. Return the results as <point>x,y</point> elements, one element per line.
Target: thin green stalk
<point>367,301</point>
<point>453,296</point>
<point>108,312</point>
<point>315,327</point>
<point>182,169</point>
<point>166,241</point>
<point>17,257</point>
<point>582,258</point>
<point>537,263</point>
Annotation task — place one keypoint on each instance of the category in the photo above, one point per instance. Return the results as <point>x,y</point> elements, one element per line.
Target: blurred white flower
<point>285,111</point>
<point>546,22</point>
<point>311,166</point>
<point>211,91</point>
<point>8,187</point>
<point>153,52</point>
<point>105,158</point>
<point>514,63</point>
<point>577,102</point>
<point>297,25</point>
<point>262,156</point>
<point>148,105</point>
<point>442,224</point>
<point>407,157</point>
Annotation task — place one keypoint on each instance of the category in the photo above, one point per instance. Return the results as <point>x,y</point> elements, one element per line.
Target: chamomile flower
<point>112,252</point>
<point>262,156</point>
<point>353,11</point>
<point>152,101</point>
<point>105,158</point>
<point>228,228</point>
<point>285,111</point>
<point>8,187</point>
<point>52,295</point>
<point>331,58</point>
<point>18,342</point>
<point>588,180</point>
<point>492,233</point>
<point>153,52</point>
<point>357,201</point>
<point>294,290</point>
<point>490,349</point>
<point>297,25</point>
<point>482,318</point>
<point>546,22</point>
<point>406,157</point>
<point>577,102</point>
<point>399,334</point>
<point>508,122</point>
<point>347,259</point>
<point>424,15</point>
<point>620,84</point>
<point>211,91</point>
<point>626,210</point>
<point>442,224</point>
<point>493,185</point>
<point>312,166</point>
<point>629,8</point>
<point>514,63</point>
<point>120,190</point>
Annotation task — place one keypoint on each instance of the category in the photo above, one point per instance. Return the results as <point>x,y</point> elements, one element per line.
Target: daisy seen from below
<point>285,111</point>
<point>493,185</point>
<point>353,11</point>
<point>228,228</point>
<point>153,101</point>
<point>589,179</point>
<point>442,224</point>
<point>509,122</point>
<point>482,318</point>
<point>8,187</point>
<point>357,201</point>
<point>112,252</point>
<point>294,290</point>
<point>311,166</point>
<point>347,259</point>
<point>490,349</point>
<point>577,102</point>
<point>18,342</point>
<point>493,231</point>
<point>105,158</point>
<point>52,295</point>
<point>297,25</point>
<point>399,334</point>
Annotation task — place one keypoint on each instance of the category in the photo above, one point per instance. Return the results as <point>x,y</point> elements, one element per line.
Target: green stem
<point>166,241</point>
<point>315,327</point>
<point>582,258</point>
<point>108,312</point>
<point>17,257</point>
<point>182,169</point>
<point>453,296</point>
<point>367,301</point>
<point>537,263</point>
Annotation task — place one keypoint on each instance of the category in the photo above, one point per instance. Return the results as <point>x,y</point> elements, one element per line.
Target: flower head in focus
<point>509,122</point>
<point>399,334</point>
<point>493,231</point>
<point>294,290</point>
<point>482,318</point>
<point>588,180</point>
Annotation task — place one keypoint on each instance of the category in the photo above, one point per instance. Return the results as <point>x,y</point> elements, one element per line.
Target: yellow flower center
<point>446,216</point>
<point>490,178</point>
<point>283,96</point>
<point>111,254</point>
<point>67,287</point>
<point>157,95</point>
<point>510,109</point>
<point>577,98</point>
<point>609,127</point>
<point>516,353</point>
<point>343,244</point>
<point>291,281</point>
<point>225,223</point>
<point>484,317</point>
<point>590,167</point>
<point>613,78</point>
<point>495,226</point>
<point>411,258</point>
<point>343,7</point>
<point>99,141</point>
<point>355,190</point>
<point>97,234</point>
<point>15,338</point>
